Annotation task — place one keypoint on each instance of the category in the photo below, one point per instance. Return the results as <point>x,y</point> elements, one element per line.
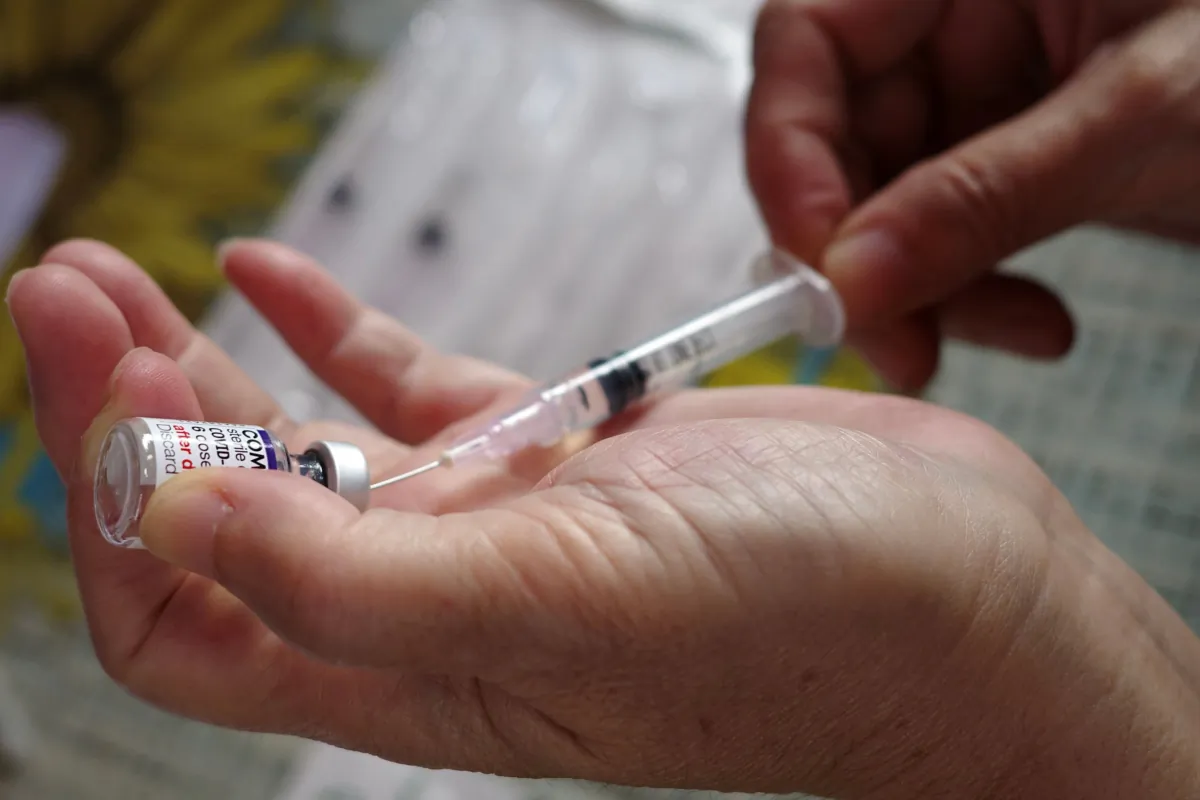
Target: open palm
<point>758,590</point>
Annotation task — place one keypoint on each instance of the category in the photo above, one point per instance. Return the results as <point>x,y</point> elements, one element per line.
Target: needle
<point>414,473</point>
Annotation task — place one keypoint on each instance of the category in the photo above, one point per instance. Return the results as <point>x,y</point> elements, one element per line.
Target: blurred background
<point>453,160</point>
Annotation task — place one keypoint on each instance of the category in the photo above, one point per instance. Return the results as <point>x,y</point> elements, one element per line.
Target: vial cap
<point>346,471</point>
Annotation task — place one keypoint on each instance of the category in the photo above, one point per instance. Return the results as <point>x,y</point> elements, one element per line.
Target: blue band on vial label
<point>272,460</point>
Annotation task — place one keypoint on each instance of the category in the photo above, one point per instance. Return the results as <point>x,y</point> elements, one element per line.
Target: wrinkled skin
<point>952,134</point>
<point>773,589</point>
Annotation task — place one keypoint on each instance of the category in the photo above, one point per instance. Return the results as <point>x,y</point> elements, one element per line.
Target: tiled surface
<point>94,742</point>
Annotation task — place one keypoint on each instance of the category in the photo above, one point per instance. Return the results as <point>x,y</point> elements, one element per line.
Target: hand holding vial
<point>140,455</point>
<point>779,589</point>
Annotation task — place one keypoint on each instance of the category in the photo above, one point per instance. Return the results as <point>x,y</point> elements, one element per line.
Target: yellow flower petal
<point>206,184</point>
<point>22,44</point>
<point>128,207</point>
<point>228,33</point>
<point>14,398</point>
<point>141,61</point>
<point>16,523</point>
<point>848,371</point>
<point>82,27</point>
<point>265,137</point>
<point>180,263</point>
<point>256,86</point>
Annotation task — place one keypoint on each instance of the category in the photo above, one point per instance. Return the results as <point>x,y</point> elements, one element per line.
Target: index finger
<point>807,56</point>
<point>796,120</point>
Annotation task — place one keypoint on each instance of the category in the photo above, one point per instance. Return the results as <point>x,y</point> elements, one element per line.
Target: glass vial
<point>139,455</point>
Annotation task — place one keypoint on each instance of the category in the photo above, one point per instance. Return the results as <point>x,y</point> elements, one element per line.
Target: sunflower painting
<point>183,121</point>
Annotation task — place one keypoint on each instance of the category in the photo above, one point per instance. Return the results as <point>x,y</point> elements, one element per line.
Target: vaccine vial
<point>139,455</point>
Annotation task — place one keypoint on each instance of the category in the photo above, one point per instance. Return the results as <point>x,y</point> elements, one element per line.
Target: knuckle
<point>1154,84</point>
<point>1148,74</point>
<point>1154,77</point>
<point>772,13</point>
<point>985,198</point>
<point>125,655</point>
<point>775,29</point>
<point>117,663</point>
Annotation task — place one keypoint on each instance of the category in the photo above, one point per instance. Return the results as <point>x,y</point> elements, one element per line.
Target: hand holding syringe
<point>792,299</point>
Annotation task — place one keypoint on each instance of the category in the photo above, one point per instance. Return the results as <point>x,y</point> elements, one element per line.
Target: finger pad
<point>154,385</point>
<point>299,298</point>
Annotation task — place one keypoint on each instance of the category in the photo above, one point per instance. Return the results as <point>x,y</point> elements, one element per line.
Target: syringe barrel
<point>817,315</point>
<point>791,299</point>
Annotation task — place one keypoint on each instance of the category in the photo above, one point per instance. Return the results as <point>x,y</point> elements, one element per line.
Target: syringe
<point>791,299</point>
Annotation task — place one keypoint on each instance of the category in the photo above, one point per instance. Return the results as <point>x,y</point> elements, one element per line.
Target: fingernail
<point>224,248</point>
<point>181,522</point>
<point>862,253</point>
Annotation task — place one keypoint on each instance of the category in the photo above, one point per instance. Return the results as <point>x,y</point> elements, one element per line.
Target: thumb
<point>1080,156</point>
<point>385,589</point>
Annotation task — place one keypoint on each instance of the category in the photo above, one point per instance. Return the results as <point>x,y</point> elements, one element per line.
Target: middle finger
<point>397,381</point>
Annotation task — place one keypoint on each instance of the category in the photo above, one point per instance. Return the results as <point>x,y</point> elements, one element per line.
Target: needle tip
<point>401,478</point>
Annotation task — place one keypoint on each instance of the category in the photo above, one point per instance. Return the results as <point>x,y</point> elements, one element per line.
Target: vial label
<point>184,446</point>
